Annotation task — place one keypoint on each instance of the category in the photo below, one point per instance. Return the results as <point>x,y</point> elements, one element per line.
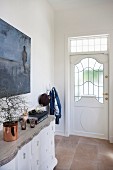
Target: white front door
<point>89,95</point>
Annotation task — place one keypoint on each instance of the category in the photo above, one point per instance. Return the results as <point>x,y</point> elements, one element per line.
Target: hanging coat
<point>55,105</point>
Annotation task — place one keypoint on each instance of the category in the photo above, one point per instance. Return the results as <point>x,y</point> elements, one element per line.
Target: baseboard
<point>111,139</point>
<point>87,134</point>
<point>61,133</point>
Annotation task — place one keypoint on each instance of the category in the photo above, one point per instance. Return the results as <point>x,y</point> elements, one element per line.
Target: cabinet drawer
<point>35,146</point>
<point>24,157</point>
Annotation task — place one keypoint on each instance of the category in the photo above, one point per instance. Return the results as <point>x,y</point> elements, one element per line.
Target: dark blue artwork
<point>15,48</point>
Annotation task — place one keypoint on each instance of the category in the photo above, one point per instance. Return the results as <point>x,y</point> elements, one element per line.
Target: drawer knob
<point>37,162</point>
<point>37,143</point>
<point>24,155</point>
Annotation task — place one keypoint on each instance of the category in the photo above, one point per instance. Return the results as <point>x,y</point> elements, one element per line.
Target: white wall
<point>34,18</point>
<point>91,17</point>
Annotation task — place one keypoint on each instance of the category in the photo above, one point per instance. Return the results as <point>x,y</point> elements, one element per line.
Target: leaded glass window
<point>89,79</point>
<point>89,44</point>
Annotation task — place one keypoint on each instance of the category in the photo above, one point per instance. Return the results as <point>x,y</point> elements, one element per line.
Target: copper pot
<point>10,131</point>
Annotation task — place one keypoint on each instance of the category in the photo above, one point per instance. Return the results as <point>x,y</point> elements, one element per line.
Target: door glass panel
<point>90,88</point>
<point>89,79</point>
<point>91,75</point>
<point>96,77</point>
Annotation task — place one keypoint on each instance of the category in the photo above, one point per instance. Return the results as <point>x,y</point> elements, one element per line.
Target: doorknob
<point>105,94</point>
<point>106,98</point>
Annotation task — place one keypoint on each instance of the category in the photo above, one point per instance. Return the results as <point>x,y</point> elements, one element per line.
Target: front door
<point>89,95</point>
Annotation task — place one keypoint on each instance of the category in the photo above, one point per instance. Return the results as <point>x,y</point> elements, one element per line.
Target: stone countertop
<point>8,150</point>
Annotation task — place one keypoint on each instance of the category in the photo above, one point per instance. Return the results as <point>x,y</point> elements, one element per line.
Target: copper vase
<point>10,131</point>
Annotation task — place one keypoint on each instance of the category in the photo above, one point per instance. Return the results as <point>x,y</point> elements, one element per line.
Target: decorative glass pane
<point>85,42</point>
<point>76,79</point>
<point>79,42</point>
<point>79,67</point>
<point>90,88</point>
<point>73,43</point>
<point>97,47</point>
<point>73,49</point>
<point>97,41</point>
<point>85,48</point>
<point>100,100</point>
<point>79,48</point>
<point>92,62</point>
<point>76,99</point>
<point>96,90</point>
<point>103,47</point>
<point>85,62</point>
<point>91,42</point>
<point>80,78</point>
<point>91,48</point>
<point>86,75</point>
<point>76,91</point>
<point>96,77</point>
<point>100,78</point>
<point>86,88</point>
<point>97,66</point>
<point>100,91</point>
<point>91,75</point>
<point>89,79</point>
<point>104,40</point>
<point>81,90</point>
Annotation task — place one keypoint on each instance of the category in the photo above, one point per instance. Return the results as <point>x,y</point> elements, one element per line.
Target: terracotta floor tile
<point>81,153</point>
<point>106,159</point>
<point>61,151</point>
<point>57,139</point>
<point>106,148</point>
<point>93,141</point>
<point>64,162</point>
<point>102,166</point>
<point>68,142</point>
<point>83,165</point>
<point>86,152</point>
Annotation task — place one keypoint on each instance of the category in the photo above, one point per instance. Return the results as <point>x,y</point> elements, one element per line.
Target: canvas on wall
<point>15,48</point>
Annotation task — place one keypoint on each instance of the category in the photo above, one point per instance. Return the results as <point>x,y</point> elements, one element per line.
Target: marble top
<point>8,150</point>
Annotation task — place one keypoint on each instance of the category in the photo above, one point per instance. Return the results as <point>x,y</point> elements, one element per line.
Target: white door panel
<point>89,117</point>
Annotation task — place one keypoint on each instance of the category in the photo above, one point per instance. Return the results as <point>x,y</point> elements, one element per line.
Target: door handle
<point>106,98</point>
<point>105,94</point>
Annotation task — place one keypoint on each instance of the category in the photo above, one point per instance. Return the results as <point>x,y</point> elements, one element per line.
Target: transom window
<point>89,79</point>
<point>88,44</point>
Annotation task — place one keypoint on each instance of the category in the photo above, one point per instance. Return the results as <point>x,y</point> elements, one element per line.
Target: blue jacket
<point>55,105</point>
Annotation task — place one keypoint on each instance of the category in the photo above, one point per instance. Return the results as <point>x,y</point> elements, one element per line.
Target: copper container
<point>10,131</point>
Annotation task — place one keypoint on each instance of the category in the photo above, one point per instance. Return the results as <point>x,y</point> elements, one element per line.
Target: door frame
<point>67,104</point>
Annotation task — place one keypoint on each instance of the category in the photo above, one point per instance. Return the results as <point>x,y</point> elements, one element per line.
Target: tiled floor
<point>81,153</point>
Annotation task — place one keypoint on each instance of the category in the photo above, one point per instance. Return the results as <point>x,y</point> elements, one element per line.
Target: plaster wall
<point>35,19</point>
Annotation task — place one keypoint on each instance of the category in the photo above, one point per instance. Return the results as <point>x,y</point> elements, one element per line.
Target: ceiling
<point>68,4</point>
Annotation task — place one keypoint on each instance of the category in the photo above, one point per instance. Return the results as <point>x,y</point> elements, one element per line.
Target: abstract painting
<point>15,53</point>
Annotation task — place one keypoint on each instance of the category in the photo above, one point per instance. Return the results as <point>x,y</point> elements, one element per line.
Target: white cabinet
<point>24,157</point>
<point>10,165</point>
<point>37,154</point>
<point>43,149</point>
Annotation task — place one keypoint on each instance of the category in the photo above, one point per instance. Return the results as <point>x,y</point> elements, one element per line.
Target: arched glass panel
<point>89,79</point>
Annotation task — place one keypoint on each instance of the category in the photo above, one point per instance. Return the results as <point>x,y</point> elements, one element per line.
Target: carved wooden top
<point>8,150</point>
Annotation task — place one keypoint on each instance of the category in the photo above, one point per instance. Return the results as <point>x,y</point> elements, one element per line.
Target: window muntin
<point>88,44</point>
<point>89,79</point>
